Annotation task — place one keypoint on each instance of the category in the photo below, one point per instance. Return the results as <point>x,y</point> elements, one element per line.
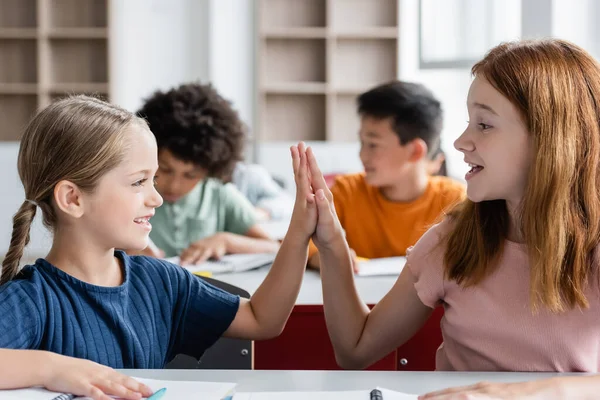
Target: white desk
<point>370,288</point>
<point>272,381</point>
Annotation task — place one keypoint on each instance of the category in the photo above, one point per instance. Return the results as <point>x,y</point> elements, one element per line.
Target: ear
<point>418,150</point>
<point>68,198</point>
<point>436,164</point>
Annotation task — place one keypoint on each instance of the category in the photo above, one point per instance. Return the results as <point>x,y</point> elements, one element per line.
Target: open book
<point>175,390</point>
<point>381,266</point>
<point>384,394</point>
<point>230,263</point>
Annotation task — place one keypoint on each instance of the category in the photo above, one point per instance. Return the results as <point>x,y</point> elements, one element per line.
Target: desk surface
<point>370,288</point>
<point>272,381</point>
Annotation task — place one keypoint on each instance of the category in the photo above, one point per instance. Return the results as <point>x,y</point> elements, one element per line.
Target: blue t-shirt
<point>159,311</point>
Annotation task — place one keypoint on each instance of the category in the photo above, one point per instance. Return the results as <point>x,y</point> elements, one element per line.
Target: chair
<point>225,353</point>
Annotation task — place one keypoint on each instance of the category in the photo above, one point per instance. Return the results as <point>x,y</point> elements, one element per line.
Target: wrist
<point>47,363</point>
<point>225,237</point>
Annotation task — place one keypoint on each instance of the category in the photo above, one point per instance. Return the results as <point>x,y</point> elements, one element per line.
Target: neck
<point>406,189</point>
<point>80,257</point>
<point>514,230</point>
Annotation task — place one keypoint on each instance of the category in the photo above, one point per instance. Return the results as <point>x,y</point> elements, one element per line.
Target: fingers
<point>301,174</point>
<point>202,255</point>
<point>447,394</point>
<point>324,210</point>
<point>113,388</point>
<point>135,386</point>
<point>317,179</point>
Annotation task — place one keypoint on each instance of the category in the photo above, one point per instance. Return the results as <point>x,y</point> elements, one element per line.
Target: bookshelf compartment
<point>18,14</point>
<point>346,122</point>
<point>362,63</point>
<point>15,113</point>
<point>294,117</point>
<point>55,96</point>
<point>18,61</point>
<point>78,61</point>
<point>295,13</point>
<point>294,60</point>
<point>78,13</point>
<point>353,15</point>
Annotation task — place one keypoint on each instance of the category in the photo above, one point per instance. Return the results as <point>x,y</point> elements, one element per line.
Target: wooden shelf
<point>78,33</point>
<point>18,60</point>
<point>295,13</point>
<point>78,61</point>
<point>289,117</point>
<point>78,87</point>
<point>15,113</point>
<point>49,49</point>
<point>18,33</point>
<point>359,14</point>
<point>77,13</point>
<point>314,58</point>
<point>368,33</point>
<point>18,88</point>
<point>18,14</point>
<point>296,88</point>
<point>295,33</point>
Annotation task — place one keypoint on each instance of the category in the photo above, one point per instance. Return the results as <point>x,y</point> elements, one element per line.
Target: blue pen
<point>158,394</point>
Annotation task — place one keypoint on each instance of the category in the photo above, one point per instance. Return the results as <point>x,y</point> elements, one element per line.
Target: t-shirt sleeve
<point>425,260</point>
<point>239,212</point>
<point>21,315</point>
<point>202,313</point>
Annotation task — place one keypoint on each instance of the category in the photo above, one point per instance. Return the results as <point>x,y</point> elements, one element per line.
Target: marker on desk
<point>376,394</point>
<point>158,394</point>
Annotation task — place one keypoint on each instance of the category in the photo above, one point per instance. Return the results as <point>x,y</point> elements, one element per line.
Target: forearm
<point>345,313</point>
<point>576,387</point>
<point>314,261</point>
<point>273,301</point>
<point>243,244</point>
<point>24,368</point>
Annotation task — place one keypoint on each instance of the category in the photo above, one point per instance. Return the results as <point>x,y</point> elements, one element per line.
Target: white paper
<point>341,395</point>
<point>230,263</point>
<point>381,266</point>
<point>176,390</point>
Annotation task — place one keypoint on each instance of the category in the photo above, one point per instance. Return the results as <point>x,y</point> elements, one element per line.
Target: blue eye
<point>140,182</point>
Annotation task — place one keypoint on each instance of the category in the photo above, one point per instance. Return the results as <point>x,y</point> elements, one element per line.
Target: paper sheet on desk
<point>230,263</point>
<point>175,390</point>
<point>341,395</point>
<point>381,266</point>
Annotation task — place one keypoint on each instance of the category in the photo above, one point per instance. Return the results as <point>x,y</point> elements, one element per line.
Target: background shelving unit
<point>49,49</point>
<point>313,58</point>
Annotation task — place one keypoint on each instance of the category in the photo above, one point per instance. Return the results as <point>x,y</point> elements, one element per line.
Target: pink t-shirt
<point>491,327</point>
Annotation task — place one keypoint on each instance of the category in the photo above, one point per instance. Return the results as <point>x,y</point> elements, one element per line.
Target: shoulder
<point>25,291</point>
<point>431,246</point>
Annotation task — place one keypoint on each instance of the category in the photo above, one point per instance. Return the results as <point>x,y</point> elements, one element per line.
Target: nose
<point>464,143</point>
<point>155,200</point>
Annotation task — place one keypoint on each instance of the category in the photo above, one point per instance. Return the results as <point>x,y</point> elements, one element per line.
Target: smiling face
<point>496,145</point>
<point>383,157</point>
<point>176,178</point>
<point>119,209</point>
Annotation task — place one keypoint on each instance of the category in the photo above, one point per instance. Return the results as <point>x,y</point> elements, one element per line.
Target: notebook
<point>175,390</point>
<point>230,263</point>
<point>381,266</point>
<point>384,394</point>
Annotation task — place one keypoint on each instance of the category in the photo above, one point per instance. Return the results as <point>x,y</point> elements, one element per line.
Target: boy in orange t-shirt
<point>385,209</point>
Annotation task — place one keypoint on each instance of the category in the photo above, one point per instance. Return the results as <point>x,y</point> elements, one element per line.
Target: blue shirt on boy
<point>159,311</point>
